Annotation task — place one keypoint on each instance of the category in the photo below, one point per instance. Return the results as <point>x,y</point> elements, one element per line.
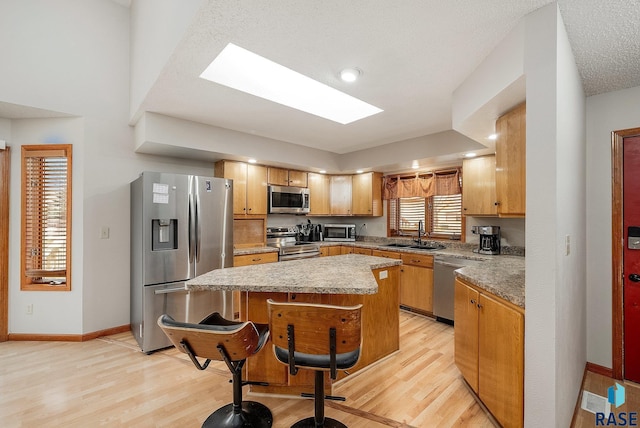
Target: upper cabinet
<point>286,177</point>
<point>479,186</point>
<point>511,162</point>
<point>340,194</point>
<point>366,194</point>
<point>249,186</point>
<point>319,188</point>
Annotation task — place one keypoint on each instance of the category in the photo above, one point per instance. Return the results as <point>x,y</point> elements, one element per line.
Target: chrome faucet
<point>419,232</point>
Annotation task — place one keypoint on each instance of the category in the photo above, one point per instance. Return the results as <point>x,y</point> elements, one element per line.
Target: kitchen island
<point>340,280</point>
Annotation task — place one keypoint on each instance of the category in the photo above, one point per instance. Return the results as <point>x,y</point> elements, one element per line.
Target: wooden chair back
<point>312,323</point>
<point>239,341</point>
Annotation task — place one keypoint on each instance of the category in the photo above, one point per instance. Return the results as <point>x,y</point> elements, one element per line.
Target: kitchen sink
<point>427,247</point>
<point>398,245</point>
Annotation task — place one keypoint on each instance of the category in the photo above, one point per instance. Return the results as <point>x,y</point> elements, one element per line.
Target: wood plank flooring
<point>598,384</point>
<point>109,382</point>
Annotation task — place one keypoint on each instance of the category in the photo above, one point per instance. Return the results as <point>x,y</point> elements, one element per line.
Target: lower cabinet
<point>335,250</point>
<point>380,332</point>
<point>489,351</point>
<point>245,260</point>
<point>416,282</point>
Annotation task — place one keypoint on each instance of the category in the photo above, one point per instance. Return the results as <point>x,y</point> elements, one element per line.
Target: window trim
<point>45,150</point>
<point>428,221</point>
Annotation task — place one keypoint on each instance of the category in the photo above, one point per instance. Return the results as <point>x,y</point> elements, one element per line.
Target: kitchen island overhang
<point>344,280</point>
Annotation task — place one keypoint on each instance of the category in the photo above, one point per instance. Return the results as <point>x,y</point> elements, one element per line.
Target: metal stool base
<point>254,414</point>
<point>311,423</point>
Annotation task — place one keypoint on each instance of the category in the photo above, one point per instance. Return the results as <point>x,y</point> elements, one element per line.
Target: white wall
<point>608,112</point>
<point>511,229</point>
<point>73,57</point>
<point>157,27</point>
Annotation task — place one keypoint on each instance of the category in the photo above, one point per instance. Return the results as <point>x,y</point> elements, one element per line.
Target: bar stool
<point>216,338</point>
<point>317,337</point>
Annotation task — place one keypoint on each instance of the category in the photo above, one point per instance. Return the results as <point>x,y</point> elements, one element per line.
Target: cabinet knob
<point>293,297</point>
<point>256,260</point>
<point>496,203</point>
<point>415,261</point>
<point>479,306</point>
<point>473,302</point>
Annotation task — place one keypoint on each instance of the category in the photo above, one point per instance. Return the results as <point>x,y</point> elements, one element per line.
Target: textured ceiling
<point>413,54</point>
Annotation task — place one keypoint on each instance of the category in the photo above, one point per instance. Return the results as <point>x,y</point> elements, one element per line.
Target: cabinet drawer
<point>387,254</point>
<point>417,260</point>
<point>254,259</point>
<point>365,251</point>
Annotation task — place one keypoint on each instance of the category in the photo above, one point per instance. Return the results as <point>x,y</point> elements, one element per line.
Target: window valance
<point>440,183</point>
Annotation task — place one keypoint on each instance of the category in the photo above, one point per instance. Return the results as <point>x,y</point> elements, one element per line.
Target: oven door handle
<point>299,256</point>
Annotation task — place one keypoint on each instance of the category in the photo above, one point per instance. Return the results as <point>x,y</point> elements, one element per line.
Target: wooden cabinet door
<point>278,176</point>
<point>298,178</point>
<point>511,162</point>
<point>236,171</point>
<point>416,287</point>
<point>501,360</point>
<point>466,332</point>
<point>346,249</point>
<point>256,190</point>
<point>319,199</point>
<point>361,198</point>
<point>340,195</point>
<point>366,196</point>
<point>479,186</point>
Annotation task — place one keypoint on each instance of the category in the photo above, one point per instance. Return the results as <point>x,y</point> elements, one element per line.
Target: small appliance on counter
<point>339,232</point>
<point>489,242</point>
<point>309,232</point>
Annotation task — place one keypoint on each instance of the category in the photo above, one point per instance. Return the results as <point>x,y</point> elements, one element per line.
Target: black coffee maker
<point>489,242</point>
<point>310,232</point>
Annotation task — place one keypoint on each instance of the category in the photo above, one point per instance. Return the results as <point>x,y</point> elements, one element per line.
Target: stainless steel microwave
<point>288,200</point>
<point>339,232</point>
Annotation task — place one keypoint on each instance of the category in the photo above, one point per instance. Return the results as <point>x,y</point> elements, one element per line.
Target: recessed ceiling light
<point>470,155</point>
<point>248,72</point>
<point>415,165</point>
<point>492,137</point>
<point>322,171</point>
<point>350,74</point>
<point>252,161</point>
<point>359,171</point>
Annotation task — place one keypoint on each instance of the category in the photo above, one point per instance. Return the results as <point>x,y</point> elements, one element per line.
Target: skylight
<point>248,72</point>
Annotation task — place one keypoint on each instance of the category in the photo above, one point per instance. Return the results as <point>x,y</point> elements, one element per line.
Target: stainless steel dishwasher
<point>443,285</point>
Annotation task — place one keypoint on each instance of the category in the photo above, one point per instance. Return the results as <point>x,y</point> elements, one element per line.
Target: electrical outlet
<point>30,309</point>
<point>104,232</point>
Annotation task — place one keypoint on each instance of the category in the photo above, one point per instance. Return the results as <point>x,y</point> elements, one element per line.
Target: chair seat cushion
<point>343,361</point>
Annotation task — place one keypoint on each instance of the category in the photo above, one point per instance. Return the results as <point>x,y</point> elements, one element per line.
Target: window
<point>441,216</point>
<point>46,217</point>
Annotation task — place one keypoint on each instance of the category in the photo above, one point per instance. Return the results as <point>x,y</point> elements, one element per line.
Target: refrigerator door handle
<point>171,290</point>
<point>198,226</point>
<point>192,228</point>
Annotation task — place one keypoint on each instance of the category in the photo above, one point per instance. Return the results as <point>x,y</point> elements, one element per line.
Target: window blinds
<point>45,215</point>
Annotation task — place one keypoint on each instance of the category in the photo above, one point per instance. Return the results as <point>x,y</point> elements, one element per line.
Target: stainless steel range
<point>285,239</point>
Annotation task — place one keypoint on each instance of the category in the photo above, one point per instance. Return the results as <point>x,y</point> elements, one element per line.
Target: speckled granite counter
<point>347,274</point>
<point>500,275</point>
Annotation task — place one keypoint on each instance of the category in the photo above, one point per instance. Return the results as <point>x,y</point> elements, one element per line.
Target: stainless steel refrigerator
<point>181,227</point>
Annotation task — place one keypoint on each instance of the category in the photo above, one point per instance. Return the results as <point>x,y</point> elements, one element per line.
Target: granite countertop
<point>346,274</point>
<point>501,275</point>
<point>253,250</point>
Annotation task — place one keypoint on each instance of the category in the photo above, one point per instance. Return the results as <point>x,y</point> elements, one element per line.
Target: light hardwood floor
<point>599,384</point>
<point>109,382</point>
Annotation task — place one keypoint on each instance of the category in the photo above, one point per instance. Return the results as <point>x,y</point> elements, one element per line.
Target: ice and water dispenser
<point>164,234</point>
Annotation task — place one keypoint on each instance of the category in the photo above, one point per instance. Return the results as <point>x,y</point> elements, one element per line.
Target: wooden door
<point>466,332</point>
<point>319,202</point>
<point>361,194</point>
<point>340,194</point>
<point>416,287</point>
<point>236,171</point>
<point>5,158</point>
<point>501,360</point>
<point>278,176</point>
<point>479,186</point>
<point>631,257</point>
<point>256,190</point>
<point>298,178</point>
<point>511,162</point>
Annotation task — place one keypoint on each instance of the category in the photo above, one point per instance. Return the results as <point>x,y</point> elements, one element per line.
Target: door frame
<point>5,162</point>
<point>617,239</point>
